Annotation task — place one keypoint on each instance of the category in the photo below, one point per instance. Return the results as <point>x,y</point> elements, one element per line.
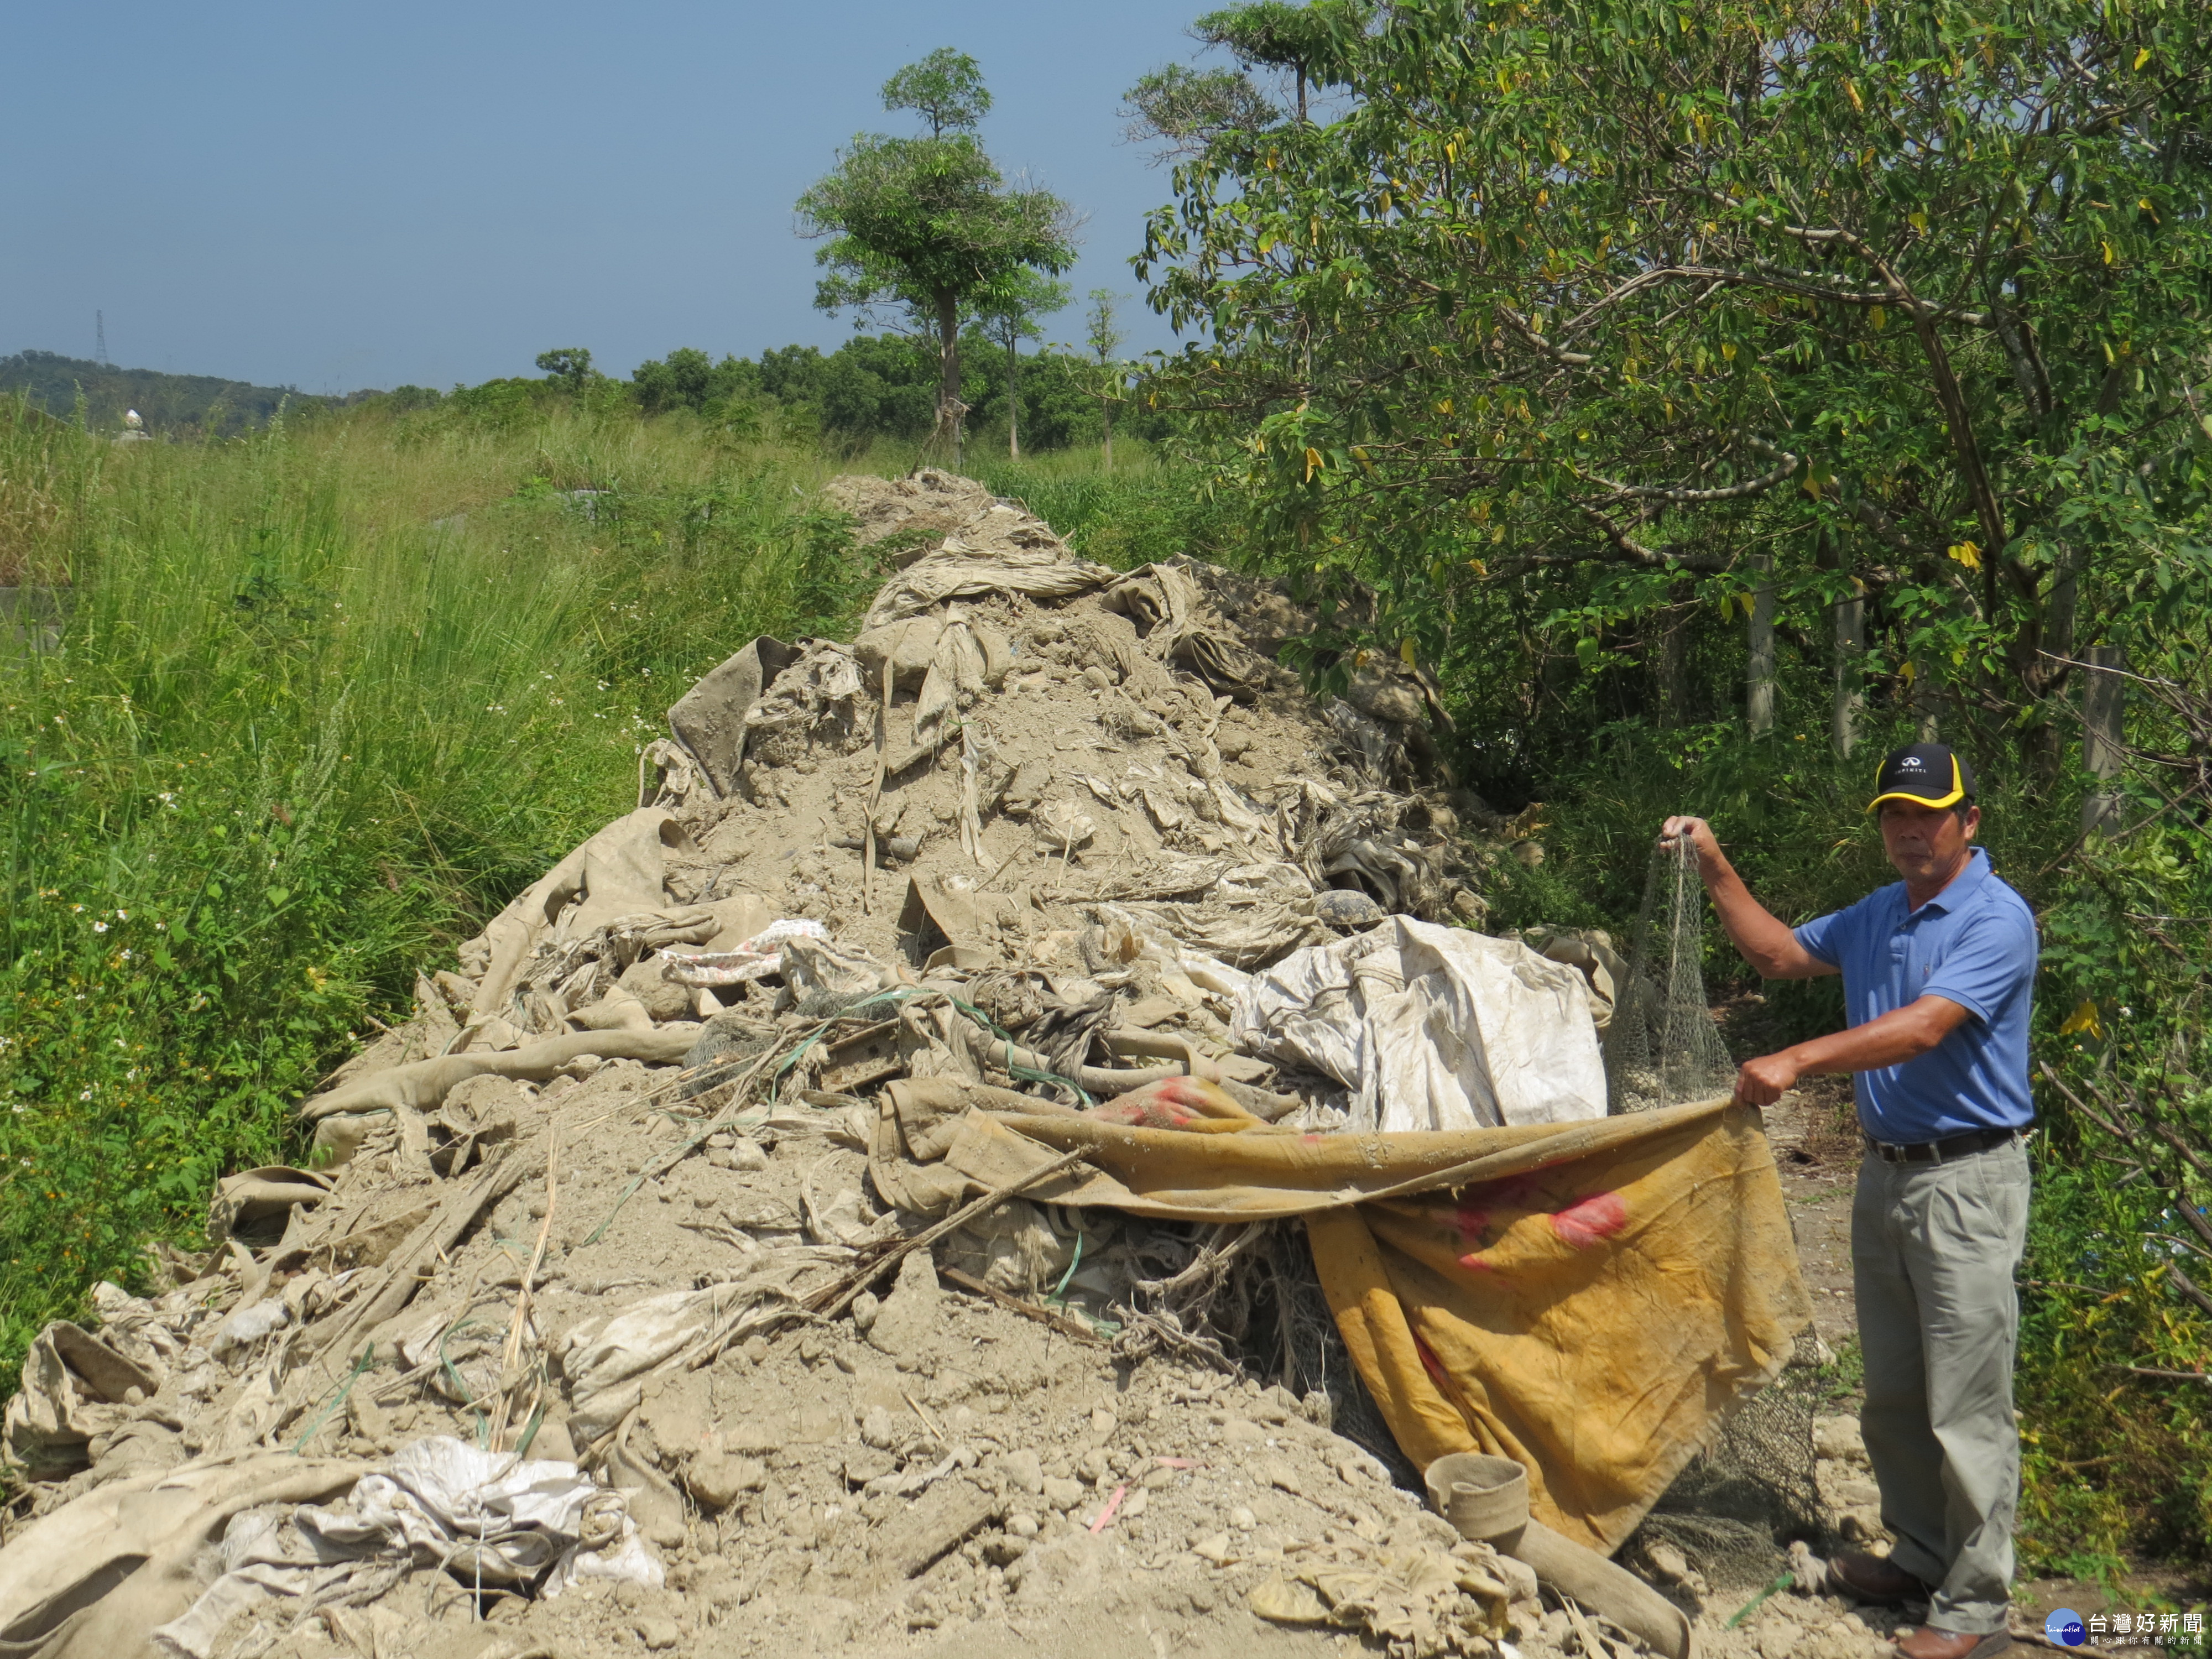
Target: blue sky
<point>348,196</point>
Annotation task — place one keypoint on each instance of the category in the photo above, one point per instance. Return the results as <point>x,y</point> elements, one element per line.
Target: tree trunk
<point>1847,699</point>
<point>1759,673</point>
<point>2104,714</point>
<point>2043,745</point>
<point>1675,659</point>
<point>1013,404</point>
<point>1106,414</point>
<point>950,409</point>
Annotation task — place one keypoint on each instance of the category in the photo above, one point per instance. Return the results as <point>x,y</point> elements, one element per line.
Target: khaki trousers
<point>1935,1248</point>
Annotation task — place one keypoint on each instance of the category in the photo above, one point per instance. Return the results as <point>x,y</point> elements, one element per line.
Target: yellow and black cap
<point>1927,774</point>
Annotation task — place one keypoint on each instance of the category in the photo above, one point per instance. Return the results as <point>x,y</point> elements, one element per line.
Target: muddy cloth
<point>1586,1298</point>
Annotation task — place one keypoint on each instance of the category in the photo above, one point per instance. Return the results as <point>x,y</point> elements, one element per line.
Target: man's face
<point>1927,843</point>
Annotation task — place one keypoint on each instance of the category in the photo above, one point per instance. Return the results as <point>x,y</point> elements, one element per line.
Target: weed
<point>326,697</point>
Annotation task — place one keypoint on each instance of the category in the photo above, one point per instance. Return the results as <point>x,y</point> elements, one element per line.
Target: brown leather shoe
<point>1929,1643</point>
<point>1874,1578</point>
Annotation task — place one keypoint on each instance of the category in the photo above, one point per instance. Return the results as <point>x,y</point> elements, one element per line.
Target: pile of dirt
<point>607,1203</point>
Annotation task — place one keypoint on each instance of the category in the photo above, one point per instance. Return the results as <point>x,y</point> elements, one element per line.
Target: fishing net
<point>1662,1047</point>
<point>1735,1509</point>
<point>1733,1512</point>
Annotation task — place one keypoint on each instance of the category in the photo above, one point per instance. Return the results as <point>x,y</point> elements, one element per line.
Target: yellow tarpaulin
<point>1589,1298</point>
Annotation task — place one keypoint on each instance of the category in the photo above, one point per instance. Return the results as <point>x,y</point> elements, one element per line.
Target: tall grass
<point>326,696</point>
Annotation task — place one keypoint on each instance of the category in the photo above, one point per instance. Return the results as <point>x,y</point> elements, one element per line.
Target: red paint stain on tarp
<point>1470,1219</point>
<point>1590,1221</point>
<point>1433,1366</point>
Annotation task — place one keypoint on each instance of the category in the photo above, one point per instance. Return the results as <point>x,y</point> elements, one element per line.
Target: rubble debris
<point>709,720</point>
<point>1486,1498</point>
<point>762,1260</point>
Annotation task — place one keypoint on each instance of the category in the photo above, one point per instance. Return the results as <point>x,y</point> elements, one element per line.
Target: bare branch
<point>1757,486</point>
<point>1634,552</point>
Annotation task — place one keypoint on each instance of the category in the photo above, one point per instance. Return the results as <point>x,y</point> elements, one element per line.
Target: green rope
<point>345,1387</point>
<point>529,1434</point>
<point>1758,1601</point>
<point>460,1384</point>
<point>1059,1290</point>
<point>893,994</point>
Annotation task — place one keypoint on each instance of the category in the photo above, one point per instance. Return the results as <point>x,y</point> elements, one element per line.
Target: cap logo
<point>1910,760</point>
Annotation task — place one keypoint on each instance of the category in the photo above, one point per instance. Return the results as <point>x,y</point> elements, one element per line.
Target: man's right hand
<point>1702,839</point>
<point>1762,940</point>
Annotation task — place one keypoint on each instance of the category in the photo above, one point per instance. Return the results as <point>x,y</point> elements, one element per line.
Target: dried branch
<point>1675,495</point>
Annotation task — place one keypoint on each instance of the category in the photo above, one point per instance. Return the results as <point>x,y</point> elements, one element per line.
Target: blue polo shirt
<point>1973,944</point>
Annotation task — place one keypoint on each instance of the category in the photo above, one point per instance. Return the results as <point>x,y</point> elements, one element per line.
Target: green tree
<point>946,88</point>
<point>571,364</point>
<point>1598,308</point>
<point>927,224</point>
<point>1313,44</point>
<point>1102,334</point>
<point>1181,110</point>
<point>1008,315</point>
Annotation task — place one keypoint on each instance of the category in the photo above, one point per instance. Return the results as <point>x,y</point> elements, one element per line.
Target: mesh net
<point>1735,1509</point>
<point>1662,1047</point>
<point>1732,1512</point>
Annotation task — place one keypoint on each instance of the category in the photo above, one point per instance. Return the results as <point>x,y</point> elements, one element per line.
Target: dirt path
<point>1819,1156</point>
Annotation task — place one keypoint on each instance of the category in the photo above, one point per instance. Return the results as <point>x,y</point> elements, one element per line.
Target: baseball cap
<point>1927,773</point>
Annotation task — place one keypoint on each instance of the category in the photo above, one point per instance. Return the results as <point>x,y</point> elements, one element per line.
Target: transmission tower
<point>100,336</point>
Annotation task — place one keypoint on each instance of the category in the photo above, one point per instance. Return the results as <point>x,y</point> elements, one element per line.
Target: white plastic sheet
<point>755,958</point>
<point>1430,1028</point>
<point>485,1517</point>
<point>477,1513</point>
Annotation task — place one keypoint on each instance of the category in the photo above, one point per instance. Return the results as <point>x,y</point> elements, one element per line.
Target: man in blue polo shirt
<point>1939,971</point>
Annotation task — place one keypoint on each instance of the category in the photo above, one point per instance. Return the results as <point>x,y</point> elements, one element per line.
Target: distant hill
<point>170,403</point>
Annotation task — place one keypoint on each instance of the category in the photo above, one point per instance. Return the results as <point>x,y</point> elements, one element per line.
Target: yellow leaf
<point>1852,93</point>
<point>2083,1018</point>
<point>1477,567</point>
<point>1313,464</point>
<point>1965,553</point>
<point>1918,222</point>
<point>1406,652</point>
<point>1451,151</point>
<point>1877,315</point>
<point>2143,58</point>
<point>2108,253</point>
<point>1443,405</point>
<point>1909,672</point>
<point>1560,152</point>
<point>1728,350</point>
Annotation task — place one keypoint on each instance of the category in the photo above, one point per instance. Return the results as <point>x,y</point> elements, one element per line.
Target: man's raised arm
<point>1762,938</point>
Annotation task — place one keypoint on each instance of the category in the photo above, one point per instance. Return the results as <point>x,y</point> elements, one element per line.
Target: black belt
<point>1942,1152</point>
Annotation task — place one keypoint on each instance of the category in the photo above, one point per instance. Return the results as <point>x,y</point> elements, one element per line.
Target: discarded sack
<point>1430,1028</point>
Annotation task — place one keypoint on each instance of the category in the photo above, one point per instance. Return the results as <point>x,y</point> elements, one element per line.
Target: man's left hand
<point>1763,1081</point>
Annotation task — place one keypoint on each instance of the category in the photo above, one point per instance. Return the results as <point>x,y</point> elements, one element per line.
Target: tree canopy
<point>1580,308</point>
<point>926,225</point>
<point>947,90</point>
